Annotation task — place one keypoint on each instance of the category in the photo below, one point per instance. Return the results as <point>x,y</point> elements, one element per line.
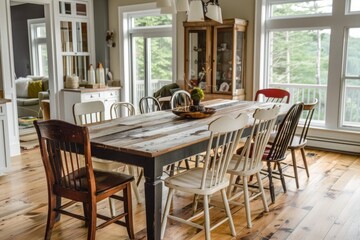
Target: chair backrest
<point>224,138</point>
<point>66,155</point>
<point>250,158</point>
<point>149,104</point>
<point>275,95</point>
<point>309,108</point>
<point>180,98</point>
<point>121,109</point>
<point>285,133</point>
<point>88,112</point>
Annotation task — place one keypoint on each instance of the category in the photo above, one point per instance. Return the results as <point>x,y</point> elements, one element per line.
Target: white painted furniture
<point>108,96</point>
<point>93,112</point>
<point>212,177</point>
<point>248,161</point>
<point>4,137</point>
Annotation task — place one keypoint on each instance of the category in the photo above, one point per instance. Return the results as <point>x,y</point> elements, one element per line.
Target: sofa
<point>30,91</point>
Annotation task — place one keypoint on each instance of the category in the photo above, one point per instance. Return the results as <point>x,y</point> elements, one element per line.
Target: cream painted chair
<point>225,133</point>
<point>86,113</point>
<point>249,161</point>
<point>125,109</point>
<point>180,98</point>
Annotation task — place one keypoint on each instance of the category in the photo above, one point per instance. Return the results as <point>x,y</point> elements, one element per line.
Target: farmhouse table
<point>154,140</point>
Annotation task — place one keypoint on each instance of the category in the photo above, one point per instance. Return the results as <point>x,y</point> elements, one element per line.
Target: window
<point>312,49</point>
<point>149,40</point>
<point>38,47</point>
<point>351,94</point>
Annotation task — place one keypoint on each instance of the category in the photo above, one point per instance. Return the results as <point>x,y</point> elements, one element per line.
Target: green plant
<point>197,94</point>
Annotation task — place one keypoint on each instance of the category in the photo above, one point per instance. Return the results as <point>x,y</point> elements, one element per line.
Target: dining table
<point>154,140</point>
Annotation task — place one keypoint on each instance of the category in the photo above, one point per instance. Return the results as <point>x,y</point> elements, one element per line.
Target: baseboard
<point>336,145</point>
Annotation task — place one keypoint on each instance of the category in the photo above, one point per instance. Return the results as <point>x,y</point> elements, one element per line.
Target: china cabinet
<point>74,26</point>
<point>215,57</point>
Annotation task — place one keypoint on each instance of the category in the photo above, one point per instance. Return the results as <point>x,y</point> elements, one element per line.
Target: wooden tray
<point>184,112</point>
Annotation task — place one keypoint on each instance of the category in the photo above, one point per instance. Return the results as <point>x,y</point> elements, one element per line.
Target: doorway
<point>31,66</point>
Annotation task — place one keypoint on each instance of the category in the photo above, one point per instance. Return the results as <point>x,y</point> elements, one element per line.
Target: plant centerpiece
<point>197,94</point>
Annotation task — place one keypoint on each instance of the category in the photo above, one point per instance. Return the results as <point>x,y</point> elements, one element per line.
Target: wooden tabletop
<point>156,133</point>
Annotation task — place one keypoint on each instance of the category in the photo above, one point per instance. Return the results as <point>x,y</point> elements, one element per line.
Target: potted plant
<point>197,94</point>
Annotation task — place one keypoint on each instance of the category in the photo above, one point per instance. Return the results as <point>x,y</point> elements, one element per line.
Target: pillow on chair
<point>34,88</point>
<point>22,85</point>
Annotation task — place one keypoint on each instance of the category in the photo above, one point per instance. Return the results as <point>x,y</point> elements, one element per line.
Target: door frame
<point>8,68</point>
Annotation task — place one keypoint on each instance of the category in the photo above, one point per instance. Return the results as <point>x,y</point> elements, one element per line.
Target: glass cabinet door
<point>223,58</point>
<point>81,37</point>
<point>198,59</point>
<point>239,71</point>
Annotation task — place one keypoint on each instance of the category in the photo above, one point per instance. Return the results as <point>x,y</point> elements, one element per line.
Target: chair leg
<point>295,167</point>
<point>128,208</point>
<point>195,203</point>
<point>261,189</point>
<point>230,185</point>
<point>271,184</point>
<point>134,185</point>
<point>92,221</point>
<point>85,210</point>
<point>207,218</point>
<point>112,207</point>
<point>51,216</point>
<point>228,213</point>
<point>281,177</point>
<point>305,162</point>
<point>166,211</point>
<point>246,202</point>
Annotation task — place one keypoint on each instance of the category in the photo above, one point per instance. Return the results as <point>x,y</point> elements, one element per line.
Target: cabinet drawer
<point>110,94</point>
<point>90,97</point>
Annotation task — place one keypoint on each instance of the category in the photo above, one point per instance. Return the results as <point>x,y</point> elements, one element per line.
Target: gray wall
<point>101,21</point>
<point>19,16</point>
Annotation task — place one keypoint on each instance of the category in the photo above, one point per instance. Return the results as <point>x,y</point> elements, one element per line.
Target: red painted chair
<point>273,95</point>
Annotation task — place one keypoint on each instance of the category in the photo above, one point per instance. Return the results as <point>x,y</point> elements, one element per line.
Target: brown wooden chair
<point>276,152</point>
<point>299,141</point>
<point>66,155</point>
<point>273,95</point>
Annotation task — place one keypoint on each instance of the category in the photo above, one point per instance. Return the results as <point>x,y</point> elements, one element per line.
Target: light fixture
<point>163,3</point>
<point>196,12</point>
<point>213,11</point>
<point>182,5</point>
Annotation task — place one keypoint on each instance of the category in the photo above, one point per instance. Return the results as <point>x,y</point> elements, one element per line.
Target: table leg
<point>153,201</point>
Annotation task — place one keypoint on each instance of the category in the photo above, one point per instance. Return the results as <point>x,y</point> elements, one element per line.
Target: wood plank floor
<point>326,206</point>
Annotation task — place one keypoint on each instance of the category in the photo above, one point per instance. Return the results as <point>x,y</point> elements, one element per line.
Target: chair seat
<point>190,181</point>
<point>103,180</point>
<point>296,143</point>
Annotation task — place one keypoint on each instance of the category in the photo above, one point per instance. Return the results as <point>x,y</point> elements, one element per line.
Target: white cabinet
<point>4,138</point>
<point>74,24</point>
<point>71,96</point>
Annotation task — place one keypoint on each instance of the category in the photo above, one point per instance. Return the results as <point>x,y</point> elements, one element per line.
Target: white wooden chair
<point>180,98</point>
<point>119,110</point>
<point>122,109</point>
<point>225,133</point>
<point>149,104</point>
<point>86,113</point>
<point>249,161</point>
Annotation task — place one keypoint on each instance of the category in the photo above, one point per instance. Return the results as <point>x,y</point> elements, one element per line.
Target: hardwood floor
<point>326,206</point>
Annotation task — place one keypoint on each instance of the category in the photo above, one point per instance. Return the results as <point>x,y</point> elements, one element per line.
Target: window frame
<point>338,21</point>
<point>34,43</point>
<point>125,41</point>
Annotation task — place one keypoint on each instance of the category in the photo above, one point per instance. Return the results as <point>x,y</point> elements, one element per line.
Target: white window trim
<point>336,78</point>
<point>123,12</point>
<point>33,44</point>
